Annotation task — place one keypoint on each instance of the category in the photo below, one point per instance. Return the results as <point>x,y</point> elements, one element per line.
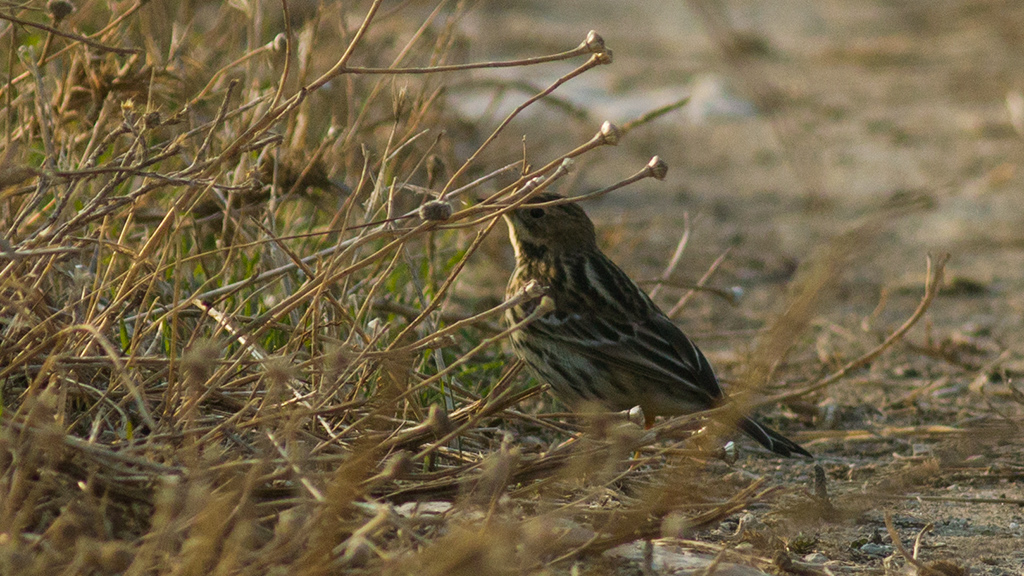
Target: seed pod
<point>436,210</point>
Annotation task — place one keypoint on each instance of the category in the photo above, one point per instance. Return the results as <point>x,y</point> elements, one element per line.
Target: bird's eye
<point>536,212</point>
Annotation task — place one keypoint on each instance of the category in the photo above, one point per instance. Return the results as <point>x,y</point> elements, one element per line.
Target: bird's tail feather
<point>771,439</point>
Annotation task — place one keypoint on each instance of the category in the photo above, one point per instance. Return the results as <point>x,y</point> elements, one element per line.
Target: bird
<point>605,342</point>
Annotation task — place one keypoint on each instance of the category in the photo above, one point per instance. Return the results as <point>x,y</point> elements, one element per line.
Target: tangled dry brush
<point>228,344</point>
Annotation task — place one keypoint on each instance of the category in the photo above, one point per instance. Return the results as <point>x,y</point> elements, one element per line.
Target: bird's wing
<point>652,348</point>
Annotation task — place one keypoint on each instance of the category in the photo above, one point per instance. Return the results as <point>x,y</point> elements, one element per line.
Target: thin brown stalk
<point>932,284</point>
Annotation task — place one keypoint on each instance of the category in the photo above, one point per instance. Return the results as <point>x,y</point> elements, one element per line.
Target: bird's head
<point>536,229</point>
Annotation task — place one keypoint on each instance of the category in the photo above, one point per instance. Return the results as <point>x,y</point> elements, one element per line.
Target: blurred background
<point>804,118</point>
<point>208,275</point>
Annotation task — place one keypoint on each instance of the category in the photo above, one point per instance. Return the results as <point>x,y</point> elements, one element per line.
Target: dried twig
<point>932,285</point>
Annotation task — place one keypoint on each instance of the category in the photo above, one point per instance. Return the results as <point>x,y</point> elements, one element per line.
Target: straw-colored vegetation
<point>230,236</point>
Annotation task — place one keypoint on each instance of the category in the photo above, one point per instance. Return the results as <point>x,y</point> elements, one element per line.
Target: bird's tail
<point>771,439</point>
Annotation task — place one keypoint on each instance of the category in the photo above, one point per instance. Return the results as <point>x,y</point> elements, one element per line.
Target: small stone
<point>872,549</point>
<point>816,558</point>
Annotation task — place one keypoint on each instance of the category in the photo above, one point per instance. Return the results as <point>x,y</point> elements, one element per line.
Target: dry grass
<point>225,346</point>
<point>224,263</point>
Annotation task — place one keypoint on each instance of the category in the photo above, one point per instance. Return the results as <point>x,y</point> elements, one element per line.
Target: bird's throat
<point>531,252</point>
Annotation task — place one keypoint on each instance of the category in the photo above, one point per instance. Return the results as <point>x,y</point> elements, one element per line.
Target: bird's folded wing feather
<point>652,348</point>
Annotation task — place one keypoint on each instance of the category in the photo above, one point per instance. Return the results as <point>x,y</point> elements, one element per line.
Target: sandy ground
<point>869,104</point>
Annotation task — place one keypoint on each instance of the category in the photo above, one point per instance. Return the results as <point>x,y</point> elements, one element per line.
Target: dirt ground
<point>864,104</point>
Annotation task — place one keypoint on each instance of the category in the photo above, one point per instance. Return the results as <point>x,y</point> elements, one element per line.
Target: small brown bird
<point>606,342</point>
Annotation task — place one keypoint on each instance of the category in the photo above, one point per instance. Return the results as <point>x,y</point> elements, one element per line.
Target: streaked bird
<point>606,342</point>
